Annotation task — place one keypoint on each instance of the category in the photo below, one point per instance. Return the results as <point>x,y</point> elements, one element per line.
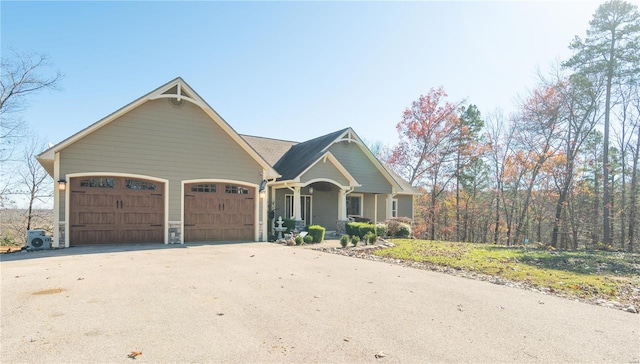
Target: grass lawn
<point>587,274</point>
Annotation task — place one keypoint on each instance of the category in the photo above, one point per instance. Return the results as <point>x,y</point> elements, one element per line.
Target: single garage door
<point>219,212</point>
<point>108,210</point>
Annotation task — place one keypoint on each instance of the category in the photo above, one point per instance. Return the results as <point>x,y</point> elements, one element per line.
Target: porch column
<point>389,206</point>
<point>342,204</point>
<point>297,211</point>
<point>57,238</point>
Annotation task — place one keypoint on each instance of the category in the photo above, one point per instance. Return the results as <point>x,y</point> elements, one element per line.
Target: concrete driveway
<point>263,302</point>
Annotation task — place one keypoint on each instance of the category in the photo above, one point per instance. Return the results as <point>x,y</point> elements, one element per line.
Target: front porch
<point>328,204</point>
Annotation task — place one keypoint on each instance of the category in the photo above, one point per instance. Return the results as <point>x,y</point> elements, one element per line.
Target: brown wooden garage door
<point>219,212</point>
<point>108,210</point>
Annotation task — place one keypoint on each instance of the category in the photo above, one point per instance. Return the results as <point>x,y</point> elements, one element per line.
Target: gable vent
<point>175,102</point>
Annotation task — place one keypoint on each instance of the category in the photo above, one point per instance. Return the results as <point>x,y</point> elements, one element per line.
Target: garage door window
<point>135,184</point>
<point>97,182</point>
<point>204,187</point>
<point>236,190</point>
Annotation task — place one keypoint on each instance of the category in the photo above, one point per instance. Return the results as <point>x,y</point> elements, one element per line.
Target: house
<point>167,168</point>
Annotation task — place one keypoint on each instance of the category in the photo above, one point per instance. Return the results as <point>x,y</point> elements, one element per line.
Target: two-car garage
<point>112,210</point>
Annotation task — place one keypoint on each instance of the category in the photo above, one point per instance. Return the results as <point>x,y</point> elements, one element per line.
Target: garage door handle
<point>189,224</point>
<point>156,225</point>
<point>121,203</point>
<point>222,207</point>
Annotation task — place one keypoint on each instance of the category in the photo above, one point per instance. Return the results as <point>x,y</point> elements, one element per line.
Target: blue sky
<point>289,70</point>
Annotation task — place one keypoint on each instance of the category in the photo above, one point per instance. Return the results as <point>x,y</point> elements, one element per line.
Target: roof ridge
<point>262,137</point>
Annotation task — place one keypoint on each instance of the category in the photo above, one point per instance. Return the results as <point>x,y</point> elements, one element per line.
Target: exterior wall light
<point>263,186</point>
<point>62,185</point>
<point>311,190</point>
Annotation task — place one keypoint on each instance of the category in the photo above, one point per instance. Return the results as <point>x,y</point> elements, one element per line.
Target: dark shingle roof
<point>301,156</point>
<point>291,158</point>
<point>270,149</point>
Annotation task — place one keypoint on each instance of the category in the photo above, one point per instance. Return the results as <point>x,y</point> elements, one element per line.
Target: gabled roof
<point>270,149</point>
<point>407,188</point>
<point>175,89</point>
<point>302,156</point>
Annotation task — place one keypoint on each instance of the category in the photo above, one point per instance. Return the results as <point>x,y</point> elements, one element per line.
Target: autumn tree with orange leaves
<point>429,150</point>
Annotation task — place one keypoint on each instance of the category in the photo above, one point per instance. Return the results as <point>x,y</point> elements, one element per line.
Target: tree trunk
<point>606,238</point>
<point>497,219</point>
<point>634,192</point>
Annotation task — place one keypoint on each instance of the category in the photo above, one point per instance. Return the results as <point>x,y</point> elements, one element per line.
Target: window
<point>305,208</point>
<point>204,187</point>
<point>354,205</point>
<point>236,190</point>
<point>98,182</point>
<point>135,184</point>
<point>394,207</point>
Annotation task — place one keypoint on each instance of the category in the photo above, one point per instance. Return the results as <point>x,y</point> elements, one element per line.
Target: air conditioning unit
<point>36,239</point>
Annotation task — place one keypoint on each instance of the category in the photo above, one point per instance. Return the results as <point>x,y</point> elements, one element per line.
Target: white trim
<point>56,202</point>
<point>352,137</point>
<point>309,219</point>
<point>115,174</point>
<point>361,195</point>
<point>397,208</point>
<point>217,180</point>
<point>49,154</point>
<point>352,181</point>
<point>375,208</point>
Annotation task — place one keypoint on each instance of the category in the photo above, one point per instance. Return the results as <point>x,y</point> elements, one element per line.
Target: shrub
<point>351,228</point>
<point>344,240</point>
<point>399,228</point>
<point>355,240</point>
<point>381,229</point>
<point>404,231</point>
<point>370,238</point>
<point>299,240</point>
<point>360,228</point>
<point>308,239</point>
<point>316,232</point>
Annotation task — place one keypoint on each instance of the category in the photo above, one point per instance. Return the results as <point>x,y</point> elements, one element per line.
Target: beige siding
<point>325,209</point>
<point>324,170</point>
<point>159,140</point>
<point>361,168</point>
<point>279,206</point>
<point>405,206</point>
<point>368,206</point>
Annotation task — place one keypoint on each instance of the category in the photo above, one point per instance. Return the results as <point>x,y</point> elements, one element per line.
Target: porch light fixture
<point>262,191</point>
<point>62,185</point>
<point>311,190</point>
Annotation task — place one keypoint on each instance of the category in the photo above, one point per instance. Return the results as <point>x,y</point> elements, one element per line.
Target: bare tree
<point>22,76</point>
<point>32,189</point>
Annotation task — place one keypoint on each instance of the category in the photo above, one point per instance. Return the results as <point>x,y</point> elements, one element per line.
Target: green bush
<point>360,229</point>
<point>299,240</point>
<point>404,231</point>
<point>355,240</point>
<point>308,239</point>
<point>351,228</point>
<point>370,238</point>
<point>399,228</point>
<point>381,229</point>
<point>344,240</point>
<point>317,232</point>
